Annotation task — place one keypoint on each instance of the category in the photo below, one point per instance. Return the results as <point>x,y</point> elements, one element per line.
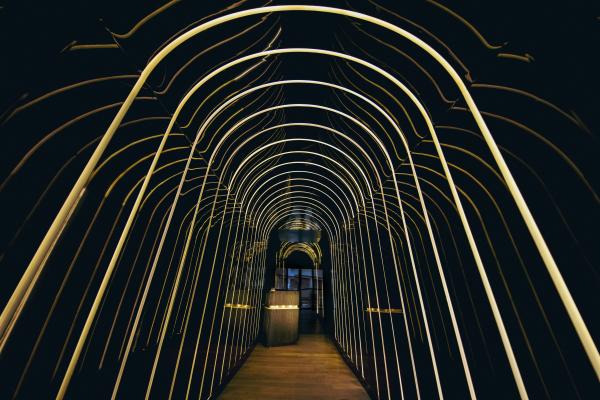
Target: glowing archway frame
<point>311,173</point>
<point>426,217</point>
<point>503,334</point>
<point>339,324</point>
<point>157,155</point>
<point>388,228</point>
<point>203,251</point>
<point>362,197</point>
<point>211,384</point>
<point>335,237</point>
<point>333,221</point>
<point>58,224</point>
<point>508,347</point>
<point>267,229</point>
<point>312,250</point>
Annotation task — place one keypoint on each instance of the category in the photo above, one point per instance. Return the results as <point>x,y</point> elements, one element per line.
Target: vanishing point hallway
<point>321,199</point>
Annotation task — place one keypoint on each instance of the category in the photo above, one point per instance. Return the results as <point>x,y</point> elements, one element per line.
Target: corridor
<point>256,199</point>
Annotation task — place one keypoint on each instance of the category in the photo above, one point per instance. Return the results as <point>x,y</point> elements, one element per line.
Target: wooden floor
<point>310,369</point>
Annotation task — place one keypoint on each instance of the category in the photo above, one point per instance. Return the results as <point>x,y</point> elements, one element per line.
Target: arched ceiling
<point>152,151</point>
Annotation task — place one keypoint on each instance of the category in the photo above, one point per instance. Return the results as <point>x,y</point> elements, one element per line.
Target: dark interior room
<point>263,199</point>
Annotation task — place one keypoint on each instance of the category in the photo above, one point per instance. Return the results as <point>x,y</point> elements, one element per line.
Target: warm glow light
<point>282,307</point>
<point>186,202</point>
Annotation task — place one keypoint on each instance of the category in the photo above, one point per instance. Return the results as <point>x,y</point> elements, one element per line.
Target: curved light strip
<point>371,197</point>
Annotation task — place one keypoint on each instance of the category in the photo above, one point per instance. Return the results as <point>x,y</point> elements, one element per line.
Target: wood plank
<point>310,369</point>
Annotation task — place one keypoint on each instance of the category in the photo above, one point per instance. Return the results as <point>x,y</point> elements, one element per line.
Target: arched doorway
<point>299,268</point>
